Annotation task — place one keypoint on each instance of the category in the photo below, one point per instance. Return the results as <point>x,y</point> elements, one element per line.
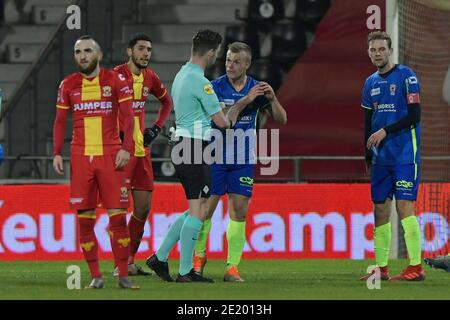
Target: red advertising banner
<point>285,221</point>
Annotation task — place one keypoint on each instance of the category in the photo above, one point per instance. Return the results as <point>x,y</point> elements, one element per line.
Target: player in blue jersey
<point>235,176</point>
<point>392,136</point>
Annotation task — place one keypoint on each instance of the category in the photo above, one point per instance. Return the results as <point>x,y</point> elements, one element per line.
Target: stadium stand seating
<point>267,70</point>
<point>311,11</point>
<point>27,29</point>
<point>261,11</point>
<point>171,25</point>
<point>288,43</point>
<point>322,95</point>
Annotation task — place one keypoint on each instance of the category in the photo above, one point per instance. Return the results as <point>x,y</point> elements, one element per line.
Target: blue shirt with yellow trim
<point>241,147</point>
<point>388,95</point>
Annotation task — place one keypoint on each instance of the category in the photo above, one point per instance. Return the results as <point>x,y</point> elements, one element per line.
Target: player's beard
<point>90,68</point>
<point>381,67</point>
<point>137,64</point>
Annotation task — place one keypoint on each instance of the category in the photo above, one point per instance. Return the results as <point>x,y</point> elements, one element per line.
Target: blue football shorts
<point>232,178</point>
<point>401,180</point>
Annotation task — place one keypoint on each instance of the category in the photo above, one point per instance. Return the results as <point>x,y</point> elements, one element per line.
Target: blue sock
<point>171,238</point>
<point>188,238</point>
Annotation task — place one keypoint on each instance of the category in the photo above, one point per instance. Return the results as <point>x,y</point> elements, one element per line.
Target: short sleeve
<point>122,89</point>
<point>366,101</point>
<point>158,89</point>
<point>208,97</point>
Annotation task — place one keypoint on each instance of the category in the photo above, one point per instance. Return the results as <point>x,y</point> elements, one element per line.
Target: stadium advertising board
<point>284,222</point>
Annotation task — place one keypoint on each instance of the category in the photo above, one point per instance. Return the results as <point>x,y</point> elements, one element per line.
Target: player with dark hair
<point>195,104</point>
<point>97,157</point>
<point>144,81</point>
<point>235,174</point>
<point>391,104</point>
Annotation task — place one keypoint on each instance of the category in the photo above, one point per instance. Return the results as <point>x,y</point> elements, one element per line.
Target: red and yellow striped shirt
<point>143,85</point>
<point>94,104</point>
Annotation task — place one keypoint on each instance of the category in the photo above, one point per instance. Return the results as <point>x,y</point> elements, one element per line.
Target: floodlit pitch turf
<point>265,279</point>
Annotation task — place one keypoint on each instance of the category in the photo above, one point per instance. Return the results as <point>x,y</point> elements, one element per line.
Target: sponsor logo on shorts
<point>246,181</point>
<point>206,189</point>
<point>76,200</point>
<point>404,184</point>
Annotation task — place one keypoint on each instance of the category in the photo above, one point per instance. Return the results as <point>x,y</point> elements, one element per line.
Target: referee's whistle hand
<point>122,158</point>
<point>58,165</point>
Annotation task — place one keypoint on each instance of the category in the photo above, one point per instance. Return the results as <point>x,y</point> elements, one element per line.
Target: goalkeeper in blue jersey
<point>392,137</point>
<point>235,176</point>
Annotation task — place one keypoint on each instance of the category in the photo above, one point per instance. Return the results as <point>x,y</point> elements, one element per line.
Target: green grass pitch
<point>265,279</point>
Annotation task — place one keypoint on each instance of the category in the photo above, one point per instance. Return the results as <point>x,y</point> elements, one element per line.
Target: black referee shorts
<point>195,177</point>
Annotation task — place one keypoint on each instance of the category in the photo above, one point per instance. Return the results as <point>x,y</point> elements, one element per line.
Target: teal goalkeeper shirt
<point>194,102</point>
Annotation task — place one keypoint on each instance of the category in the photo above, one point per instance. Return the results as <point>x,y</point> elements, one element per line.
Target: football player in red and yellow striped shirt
<point>94,97</point>
<point>144,82</point>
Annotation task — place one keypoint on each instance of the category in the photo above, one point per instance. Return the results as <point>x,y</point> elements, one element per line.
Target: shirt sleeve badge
<point>208,89</point>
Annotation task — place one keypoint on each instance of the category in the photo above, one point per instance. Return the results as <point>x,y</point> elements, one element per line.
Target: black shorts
<point>195,177</point>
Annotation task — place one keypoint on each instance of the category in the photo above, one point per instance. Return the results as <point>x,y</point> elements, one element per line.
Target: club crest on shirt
<point>392,88</point>
<point>106,90</point>
<point>124,192</point>
<point>145,91</point>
